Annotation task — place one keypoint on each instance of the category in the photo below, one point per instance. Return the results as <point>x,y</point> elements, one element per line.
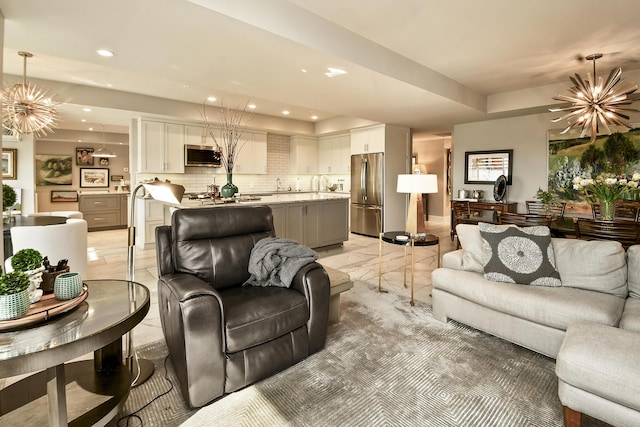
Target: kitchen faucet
<point>277,184</point>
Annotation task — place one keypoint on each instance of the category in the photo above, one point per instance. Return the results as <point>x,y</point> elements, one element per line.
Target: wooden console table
<point>479,206</point>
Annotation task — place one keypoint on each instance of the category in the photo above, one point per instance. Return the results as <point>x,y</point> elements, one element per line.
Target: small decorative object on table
<point>29,261</point>
<point>14,295</point>
<point>606,189</point>
<point>67,286</point>
<point>51,272</point>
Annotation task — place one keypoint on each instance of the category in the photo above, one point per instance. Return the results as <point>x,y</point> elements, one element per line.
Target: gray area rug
<point>385,364</point>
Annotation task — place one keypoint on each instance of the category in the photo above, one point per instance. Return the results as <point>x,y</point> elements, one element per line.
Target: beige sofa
<point>600,294</point>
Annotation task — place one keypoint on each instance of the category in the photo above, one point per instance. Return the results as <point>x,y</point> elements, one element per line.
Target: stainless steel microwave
<point>202,155</point>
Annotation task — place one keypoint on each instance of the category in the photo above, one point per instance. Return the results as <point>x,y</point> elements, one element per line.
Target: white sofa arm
<point>633,265</point>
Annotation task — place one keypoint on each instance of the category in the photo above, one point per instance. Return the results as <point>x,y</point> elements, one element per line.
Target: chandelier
<point>595,101</point>
<point>26,108</point>
<point>103,152</point>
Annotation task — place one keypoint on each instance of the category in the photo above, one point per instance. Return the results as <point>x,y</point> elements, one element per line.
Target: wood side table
<point>404,239</point>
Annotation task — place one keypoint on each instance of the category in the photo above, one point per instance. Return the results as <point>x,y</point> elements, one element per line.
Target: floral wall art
<point>570,156</point>
<point>53,169</point>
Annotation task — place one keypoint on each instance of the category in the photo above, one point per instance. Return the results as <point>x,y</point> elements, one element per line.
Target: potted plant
<point>14,295</point>
<point>8,199</point>
<point>547,198</point>
<point>29,261</point>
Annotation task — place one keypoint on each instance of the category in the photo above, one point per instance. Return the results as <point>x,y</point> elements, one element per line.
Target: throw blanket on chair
<point>274,261</point>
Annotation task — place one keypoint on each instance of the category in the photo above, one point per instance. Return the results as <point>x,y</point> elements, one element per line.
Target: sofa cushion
<point>631,315</point>
<point>633,262</point>
<point>556,307</point>
<point>471,243</point>
<point>518,255</point>
<point>593,265</point>
<point>255,315</point>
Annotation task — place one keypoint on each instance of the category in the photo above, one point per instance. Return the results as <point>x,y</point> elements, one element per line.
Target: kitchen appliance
<point>367,184</point>
<point>202,155</point>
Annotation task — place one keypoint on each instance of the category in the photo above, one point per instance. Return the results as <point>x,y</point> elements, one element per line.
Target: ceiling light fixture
<point>211,99</point>
<point>334,72</point>
<point>27,109</point>
<point>285,112</point>
<point>105,52</point>
<point>252,106</point>
<point>103,152</point>
<point>595,101</point>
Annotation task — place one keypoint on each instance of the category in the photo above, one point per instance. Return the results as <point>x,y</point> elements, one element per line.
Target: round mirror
<point>500,188</point>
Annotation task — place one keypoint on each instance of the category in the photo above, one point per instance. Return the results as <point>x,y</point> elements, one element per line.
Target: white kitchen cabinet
<point>196,135</point>
<point>161,147</point>
<point>252,158</point>
<point>149,215</point>
<point>303,155</point>
<point>334,154</point>
<point>368,140</point>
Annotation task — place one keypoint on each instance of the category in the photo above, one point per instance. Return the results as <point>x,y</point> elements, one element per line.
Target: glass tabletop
<point>403,238</point>
<point>112,308</point>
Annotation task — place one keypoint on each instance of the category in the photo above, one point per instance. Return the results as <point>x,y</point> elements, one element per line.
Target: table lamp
<point>142,369</point>
<point>416,184</point>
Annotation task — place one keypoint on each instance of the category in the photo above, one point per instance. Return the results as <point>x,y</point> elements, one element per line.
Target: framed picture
<point>64,196</point>
<point>484,167</point>
<point>94,178</point>
<point>9,163</point>
<point>103,161</point>
<point>53,169</point>
<point>84,157</point>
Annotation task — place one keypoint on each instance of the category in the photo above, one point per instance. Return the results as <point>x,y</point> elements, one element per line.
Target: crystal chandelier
<point>26,108</point>
<point>594,101</point>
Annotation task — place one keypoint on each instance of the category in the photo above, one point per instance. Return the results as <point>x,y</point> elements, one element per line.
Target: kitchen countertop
<point>279,198</point>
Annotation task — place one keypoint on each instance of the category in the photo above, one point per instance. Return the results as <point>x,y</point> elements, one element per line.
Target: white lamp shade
<point>417,183</point>
<point>165,192</point>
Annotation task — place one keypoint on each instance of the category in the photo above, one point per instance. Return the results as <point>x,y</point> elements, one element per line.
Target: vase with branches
<point>232,124</point>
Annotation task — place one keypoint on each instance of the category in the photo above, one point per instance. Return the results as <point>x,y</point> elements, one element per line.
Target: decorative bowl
<point>67,286</point>
<point>333,187</point>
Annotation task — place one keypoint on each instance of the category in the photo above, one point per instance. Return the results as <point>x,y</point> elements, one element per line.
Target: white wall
<point>526,135</point>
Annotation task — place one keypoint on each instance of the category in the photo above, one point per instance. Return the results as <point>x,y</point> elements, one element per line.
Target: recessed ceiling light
<point>91,129</point>
<point>211,99</point>
<point>252,106</point>
<point>79,140</point>
<point>105,52</point>
<point>83,120</point>
<point>303,70</point>
<point>314,117</point>
<point>285,112</point>
<point>334,72</point>
<point>86,109</point>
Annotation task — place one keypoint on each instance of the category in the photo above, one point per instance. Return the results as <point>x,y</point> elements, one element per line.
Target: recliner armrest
<point>313,282</point>
<point>185,286</point>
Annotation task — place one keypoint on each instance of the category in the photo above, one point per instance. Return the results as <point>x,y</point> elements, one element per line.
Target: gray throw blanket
<point>274,261</point>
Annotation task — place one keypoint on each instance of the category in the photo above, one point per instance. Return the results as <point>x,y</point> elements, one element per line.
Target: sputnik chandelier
<point>594,101</point>
<point>26,108</point>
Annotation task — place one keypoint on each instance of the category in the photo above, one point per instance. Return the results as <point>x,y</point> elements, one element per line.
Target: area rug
<point>385,363</point>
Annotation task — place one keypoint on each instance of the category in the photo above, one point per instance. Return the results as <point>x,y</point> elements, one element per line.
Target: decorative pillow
<point>518,255</point>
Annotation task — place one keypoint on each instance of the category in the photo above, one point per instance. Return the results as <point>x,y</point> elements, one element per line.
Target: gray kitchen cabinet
<point>104,211</point>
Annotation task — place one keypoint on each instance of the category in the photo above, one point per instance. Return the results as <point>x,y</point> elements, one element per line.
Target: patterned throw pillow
<point>518,255</point>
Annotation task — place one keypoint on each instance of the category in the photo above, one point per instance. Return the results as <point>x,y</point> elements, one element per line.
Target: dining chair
<point>628,210</point>
<point>67,214</point>
<point>625,232</point>
<point>460,210</point>
<point>536,207</point>
<point>523,220</point>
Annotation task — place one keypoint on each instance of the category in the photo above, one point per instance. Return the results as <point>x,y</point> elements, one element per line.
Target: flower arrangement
<point>606,189</point>
<point>547,198</point>
<point>233,123</point>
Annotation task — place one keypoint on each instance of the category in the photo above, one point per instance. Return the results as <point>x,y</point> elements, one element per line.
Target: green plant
<point>546,197</point>
<point>8,196</point>
<point>14,282</point>
<point>26,259</point>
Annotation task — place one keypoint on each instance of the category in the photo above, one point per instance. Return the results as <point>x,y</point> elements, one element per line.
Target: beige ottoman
<point>340,282</point>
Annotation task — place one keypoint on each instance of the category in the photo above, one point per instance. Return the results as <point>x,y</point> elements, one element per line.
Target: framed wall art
<point>484,167</point>
<point>64,196</point>
<point>9,163</point>
<point>84,156</point>
<point>53,169</point>
<point>94,178</point>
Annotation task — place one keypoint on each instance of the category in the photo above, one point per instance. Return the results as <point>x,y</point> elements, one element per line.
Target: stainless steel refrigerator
<point>367,193</point>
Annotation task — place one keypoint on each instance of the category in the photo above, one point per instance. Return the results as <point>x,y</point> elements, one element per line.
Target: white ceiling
<point>427,64</point>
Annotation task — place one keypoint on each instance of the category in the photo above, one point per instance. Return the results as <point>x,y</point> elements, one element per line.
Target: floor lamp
<point>416,184</point>
<point>142,369</point>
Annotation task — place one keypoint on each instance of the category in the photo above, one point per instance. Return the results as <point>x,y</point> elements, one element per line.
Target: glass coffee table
<point>404,239</point>
<point>85,392</point>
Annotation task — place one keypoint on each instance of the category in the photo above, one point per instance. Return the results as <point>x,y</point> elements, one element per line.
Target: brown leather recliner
<point>223,336</point>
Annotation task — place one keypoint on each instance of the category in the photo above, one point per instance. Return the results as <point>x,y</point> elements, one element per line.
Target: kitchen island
<point>313,219</point>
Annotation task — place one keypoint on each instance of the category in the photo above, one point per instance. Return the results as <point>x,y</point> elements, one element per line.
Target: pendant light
<point>103,152</point>
<point>595,101</point>
<point>26,108</point>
